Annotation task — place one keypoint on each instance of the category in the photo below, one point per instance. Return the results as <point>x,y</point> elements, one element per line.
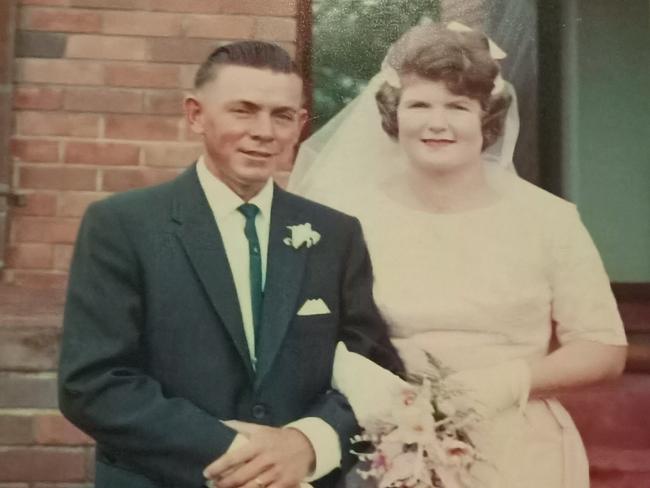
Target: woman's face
<point>439,131</point>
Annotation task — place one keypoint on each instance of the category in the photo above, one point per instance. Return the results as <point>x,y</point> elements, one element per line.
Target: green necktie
<point>250,211</point>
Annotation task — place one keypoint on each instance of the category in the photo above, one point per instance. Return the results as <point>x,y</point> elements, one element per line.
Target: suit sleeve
<point>363,330</point>
<point>104,388</point>
<point>362,327</point>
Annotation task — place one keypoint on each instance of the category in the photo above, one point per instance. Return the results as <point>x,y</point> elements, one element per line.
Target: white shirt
<point>224,204</point>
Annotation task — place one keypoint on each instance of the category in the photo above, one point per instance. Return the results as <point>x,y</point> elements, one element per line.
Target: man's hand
<point>273,458</point>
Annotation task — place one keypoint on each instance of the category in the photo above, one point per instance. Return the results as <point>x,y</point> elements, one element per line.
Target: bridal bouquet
<point>411,443</point>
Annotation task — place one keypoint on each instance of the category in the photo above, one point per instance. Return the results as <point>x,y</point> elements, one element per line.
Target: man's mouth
<point>257,154</point>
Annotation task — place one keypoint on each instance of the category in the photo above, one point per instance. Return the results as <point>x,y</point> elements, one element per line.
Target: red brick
<point>142,23</point>
<point>29,348</point>
<point>275,29</point>
<point>74,204</point>
<point>39,279</point>
<point>59,71</point>
<point>220,26</point>
<point>38,205</point>
<point>60,20</point>
<point>57,124</point>
<point>35,150</point>
<point>103,100</point>
<point>171,155</point>
<point>42,464</point>
<point>142,127</point>
<point>189,6</point>
<point>181,50</point>
<point>62,257</point>
<point>125,179</point>
<point>30,256</point>
<point>188,72</point>
<point>115,4</point>
<point>164,102</point>
<point>106,47</point>
<point>44,229</point>
<point>15,428</point>
<point>142,75</point>
<point>105,153</point>
<point>56,3</point>
<point>277,8</point>
<point>27,390</point>
<point>37,98</point>
<point>57,178</point>
<point>54,429</point>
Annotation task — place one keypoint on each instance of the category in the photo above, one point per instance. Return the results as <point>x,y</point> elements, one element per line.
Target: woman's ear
<point>194,113</point>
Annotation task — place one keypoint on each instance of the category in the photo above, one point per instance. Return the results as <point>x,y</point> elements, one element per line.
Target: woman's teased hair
<point>459,59</point>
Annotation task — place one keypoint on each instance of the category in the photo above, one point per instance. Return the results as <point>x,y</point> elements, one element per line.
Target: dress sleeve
<point>583,305</point>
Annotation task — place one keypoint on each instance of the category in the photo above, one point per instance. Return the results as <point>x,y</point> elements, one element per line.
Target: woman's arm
<point>576,364</point>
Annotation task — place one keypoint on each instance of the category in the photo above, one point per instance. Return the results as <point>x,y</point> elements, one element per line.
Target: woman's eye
<point>459,106</point>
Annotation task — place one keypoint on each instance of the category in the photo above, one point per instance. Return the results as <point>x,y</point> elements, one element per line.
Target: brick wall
<point>98,86</point>
<point>97,106</point>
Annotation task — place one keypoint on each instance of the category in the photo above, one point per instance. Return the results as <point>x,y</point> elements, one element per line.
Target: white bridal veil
<point>352,150</point>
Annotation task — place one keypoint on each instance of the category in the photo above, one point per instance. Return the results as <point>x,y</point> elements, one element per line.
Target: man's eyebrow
<point>246,103</point>
<point>293,110</point>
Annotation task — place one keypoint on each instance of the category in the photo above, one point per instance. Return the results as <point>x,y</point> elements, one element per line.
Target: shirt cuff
<point>325,442</point>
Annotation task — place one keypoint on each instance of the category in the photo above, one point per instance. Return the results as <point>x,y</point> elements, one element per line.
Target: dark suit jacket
<point>154,352</point>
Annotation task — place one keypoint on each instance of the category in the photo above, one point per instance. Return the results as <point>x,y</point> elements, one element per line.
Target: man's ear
<point>302,119</point>
<point>194,113</point>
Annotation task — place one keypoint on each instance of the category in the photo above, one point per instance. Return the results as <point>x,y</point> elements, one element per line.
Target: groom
<point>219,297</point>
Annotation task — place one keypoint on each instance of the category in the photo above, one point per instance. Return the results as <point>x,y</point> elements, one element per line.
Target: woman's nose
<point>437,120</point>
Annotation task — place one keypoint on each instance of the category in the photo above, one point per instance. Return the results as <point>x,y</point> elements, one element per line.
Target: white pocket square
<point>314,306</point>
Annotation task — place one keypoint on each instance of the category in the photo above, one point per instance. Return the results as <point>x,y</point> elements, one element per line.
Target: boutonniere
<point>302,234</point>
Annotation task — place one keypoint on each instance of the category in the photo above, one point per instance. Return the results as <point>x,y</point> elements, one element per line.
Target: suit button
<point>259,411</point>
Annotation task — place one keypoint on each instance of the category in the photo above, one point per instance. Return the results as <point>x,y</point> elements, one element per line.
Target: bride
<point>472,264</point>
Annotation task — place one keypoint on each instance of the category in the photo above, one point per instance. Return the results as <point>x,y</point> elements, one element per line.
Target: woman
<point>472,264</point>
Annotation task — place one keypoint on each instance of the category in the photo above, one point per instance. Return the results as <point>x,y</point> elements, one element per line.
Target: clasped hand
<point>264,457</point>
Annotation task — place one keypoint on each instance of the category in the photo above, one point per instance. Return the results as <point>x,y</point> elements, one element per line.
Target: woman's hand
<point>489,390</point>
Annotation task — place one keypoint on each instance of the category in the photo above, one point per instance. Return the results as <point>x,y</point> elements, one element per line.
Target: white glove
<point>370,389</point>
<point>490,390</point>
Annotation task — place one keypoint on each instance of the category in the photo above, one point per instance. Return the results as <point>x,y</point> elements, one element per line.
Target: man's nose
<point>262,127</point>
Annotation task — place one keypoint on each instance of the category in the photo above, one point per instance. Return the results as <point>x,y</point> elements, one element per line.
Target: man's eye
<point>285,116</point>
<point>459,106</point>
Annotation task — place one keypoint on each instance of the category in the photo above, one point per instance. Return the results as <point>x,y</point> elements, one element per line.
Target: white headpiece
<point>352,150</point>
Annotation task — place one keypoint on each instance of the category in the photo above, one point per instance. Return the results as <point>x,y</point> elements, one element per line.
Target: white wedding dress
<point>485,286</point>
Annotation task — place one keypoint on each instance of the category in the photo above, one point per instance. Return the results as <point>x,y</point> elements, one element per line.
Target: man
<point>218,298</point>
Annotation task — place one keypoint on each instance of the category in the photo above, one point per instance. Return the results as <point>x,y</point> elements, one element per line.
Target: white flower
<point>390,75</point>
<point>302,234</point>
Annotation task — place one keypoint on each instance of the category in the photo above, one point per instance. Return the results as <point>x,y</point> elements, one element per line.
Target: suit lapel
<point>200,236</point>
<point>285,269</point>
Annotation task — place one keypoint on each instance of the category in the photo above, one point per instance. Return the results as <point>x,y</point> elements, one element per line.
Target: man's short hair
<point>254,54</point>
